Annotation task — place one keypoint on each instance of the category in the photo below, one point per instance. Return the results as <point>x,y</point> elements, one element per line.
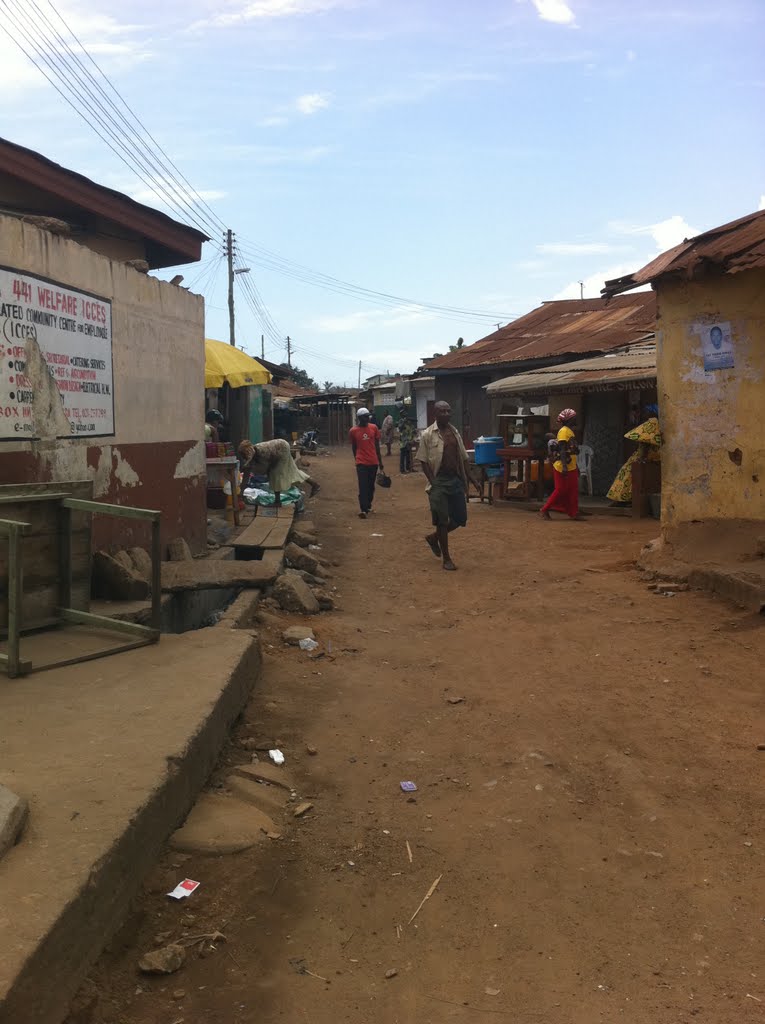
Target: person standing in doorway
<point>445,464</point>
<point>365,442</point>
<point>386,432</point>
<point>565,497</point>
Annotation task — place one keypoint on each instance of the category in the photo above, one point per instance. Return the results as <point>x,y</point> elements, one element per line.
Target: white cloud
<point>575,248</point>
<point>670,232</point>
<point>665,233</point>
<point>255,10</point>
<point>273,122</point>
<point>115,45</point>
<point>631,55</point>
<point>267,156</point>
<point>312,102</point>
<point>556,11</point>
<point>152,193</point>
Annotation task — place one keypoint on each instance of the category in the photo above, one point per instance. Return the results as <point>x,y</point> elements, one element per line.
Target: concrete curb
<point>42,990</point>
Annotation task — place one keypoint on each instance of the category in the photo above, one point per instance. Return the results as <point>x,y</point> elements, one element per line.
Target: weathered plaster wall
<point>713,461</point>
<point>156,458</point>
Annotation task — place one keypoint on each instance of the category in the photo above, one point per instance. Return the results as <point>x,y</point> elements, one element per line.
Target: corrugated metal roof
<point>560,328</point>
<point>733,247</point>
<point>638,363</point>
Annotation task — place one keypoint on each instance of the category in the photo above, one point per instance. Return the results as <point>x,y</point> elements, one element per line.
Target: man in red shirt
<point>365,441</point>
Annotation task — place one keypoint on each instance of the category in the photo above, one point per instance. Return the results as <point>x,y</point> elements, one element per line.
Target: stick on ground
<point>426,897</point>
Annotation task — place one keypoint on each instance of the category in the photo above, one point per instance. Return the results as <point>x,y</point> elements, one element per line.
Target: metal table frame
<point>15,530</point>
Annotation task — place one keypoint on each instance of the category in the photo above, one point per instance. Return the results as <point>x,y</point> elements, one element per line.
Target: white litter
<point>377,535</point>
<point>276,756</point>
<point>184,889</point>
<point>314,547</point>
<point>307,644</point>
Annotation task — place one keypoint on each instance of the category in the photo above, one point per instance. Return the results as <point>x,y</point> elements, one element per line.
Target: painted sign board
<point>55,360</point>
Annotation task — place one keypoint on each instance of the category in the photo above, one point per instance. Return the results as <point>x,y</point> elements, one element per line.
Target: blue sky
<point>481,155</point>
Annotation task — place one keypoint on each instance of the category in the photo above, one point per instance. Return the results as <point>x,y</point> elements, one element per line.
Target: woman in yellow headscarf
<point>648,439</point>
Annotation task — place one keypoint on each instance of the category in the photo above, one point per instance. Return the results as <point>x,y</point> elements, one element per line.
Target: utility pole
<point>289,352</point>
<point>581,290</point>
<point>230,261</point>
<point>359,375</point>
<point>262,346</point>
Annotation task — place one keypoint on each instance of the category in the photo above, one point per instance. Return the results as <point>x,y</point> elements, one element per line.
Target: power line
<point>126,135</point>
<point>62,70</point>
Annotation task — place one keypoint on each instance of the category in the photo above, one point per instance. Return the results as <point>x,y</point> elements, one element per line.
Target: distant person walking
<point>365,442</point>
<point>565,496</point>
<point>386,433</point>
<point>406,434</point>
<point>445,464</point>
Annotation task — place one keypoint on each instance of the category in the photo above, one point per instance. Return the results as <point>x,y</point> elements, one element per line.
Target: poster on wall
<point>717,344</point>
<point>55,360</point>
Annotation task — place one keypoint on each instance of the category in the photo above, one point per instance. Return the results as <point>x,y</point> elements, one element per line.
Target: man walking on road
<point>365,441</point>
<point>445,464</point>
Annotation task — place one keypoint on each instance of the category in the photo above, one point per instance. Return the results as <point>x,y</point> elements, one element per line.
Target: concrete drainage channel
<point>196,609</point>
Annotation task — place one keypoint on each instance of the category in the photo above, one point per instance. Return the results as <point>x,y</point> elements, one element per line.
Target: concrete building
<point>102,375</point>
<point>711,379</point>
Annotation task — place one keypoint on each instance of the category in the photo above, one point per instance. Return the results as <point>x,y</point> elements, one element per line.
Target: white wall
<point>424,395</point>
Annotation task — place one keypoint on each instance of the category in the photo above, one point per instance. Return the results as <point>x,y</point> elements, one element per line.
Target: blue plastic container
<point>486,450</point>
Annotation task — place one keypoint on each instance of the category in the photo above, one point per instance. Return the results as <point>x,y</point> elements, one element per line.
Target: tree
<point>301,377</point>
<point>328,385</point>
<point>460,343</point>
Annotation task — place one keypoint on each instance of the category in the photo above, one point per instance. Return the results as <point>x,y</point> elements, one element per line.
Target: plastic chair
<point>584,461</point>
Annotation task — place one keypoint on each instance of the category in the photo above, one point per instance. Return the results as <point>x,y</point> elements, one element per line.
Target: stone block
<point>294,595</point>
<point>301,559</point>
<point>294,634</point>
<point>113,581</point>
<point>13,816</point>
<point>178,551</point>
<point>141,560</point>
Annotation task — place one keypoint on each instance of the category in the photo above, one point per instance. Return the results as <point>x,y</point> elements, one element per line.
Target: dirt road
<point>593,806</point>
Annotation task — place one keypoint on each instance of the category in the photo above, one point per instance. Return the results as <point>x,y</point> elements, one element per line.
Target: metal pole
<point>289,352</point>
<point>230,261</point>
<point>262,346</point>
<point>156,575</point>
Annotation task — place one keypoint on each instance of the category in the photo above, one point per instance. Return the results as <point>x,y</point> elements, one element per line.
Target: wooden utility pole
<point>230,261</point>
<point>289,352</point>
<point>359,375</point>
<point>262,346</point>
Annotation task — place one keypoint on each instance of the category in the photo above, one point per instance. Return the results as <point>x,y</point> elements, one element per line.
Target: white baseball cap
<point>363,412</point>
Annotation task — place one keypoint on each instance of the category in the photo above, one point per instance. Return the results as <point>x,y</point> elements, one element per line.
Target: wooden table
<point>524,457</point>
<point>231,467</point>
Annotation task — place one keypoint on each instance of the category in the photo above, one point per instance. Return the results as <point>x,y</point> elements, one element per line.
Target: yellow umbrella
<point>227,364</point>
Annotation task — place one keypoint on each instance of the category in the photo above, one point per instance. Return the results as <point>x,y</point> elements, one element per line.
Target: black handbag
<point>383,480</point>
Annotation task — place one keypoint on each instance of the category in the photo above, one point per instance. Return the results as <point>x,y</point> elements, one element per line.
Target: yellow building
<point>711,382</point>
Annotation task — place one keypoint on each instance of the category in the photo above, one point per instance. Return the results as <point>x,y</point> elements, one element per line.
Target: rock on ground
<point>167,960</point>
<point>265,772</point>
<point>303,538</point>
<point>294,634</point>
<point>13,817</point>
<point>114,581</point>
<point>300,559</point>
<point>294,595</point>
<point>220,824</point>
<point>141,560</point>
<point>179,551</point>
<point>326,601</point>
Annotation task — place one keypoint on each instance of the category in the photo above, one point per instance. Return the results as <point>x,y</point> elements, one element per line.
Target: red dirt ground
<point>593,808</point>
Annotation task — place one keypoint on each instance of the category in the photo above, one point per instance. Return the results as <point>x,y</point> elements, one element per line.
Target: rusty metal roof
<point>729,249</point>
<point>636,364</point>
<point>559,328</point>
<point>169,243</point>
